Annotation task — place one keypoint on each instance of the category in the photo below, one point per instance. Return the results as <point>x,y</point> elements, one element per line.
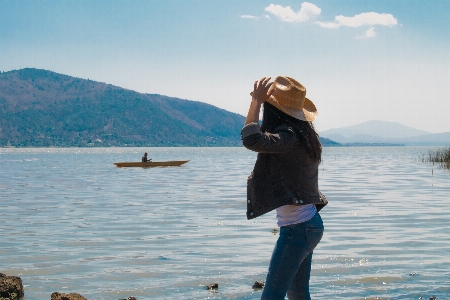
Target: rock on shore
<point>11,287</point>
<point>71,296</point>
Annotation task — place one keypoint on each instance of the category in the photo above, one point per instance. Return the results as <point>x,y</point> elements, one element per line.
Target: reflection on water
<point>73,222</point>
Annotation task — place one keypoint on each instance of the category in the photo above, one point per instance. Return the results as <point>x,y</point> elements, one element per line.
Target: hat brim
<point>308,113</point>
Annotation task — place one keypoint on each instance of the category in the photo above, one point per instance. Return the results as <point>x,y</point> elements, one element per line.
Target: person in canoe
<point>285,178</point>
<point>145,158</point>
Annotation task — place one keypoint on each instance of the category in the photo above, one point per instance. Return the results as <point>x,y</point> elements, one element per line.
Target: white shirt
<point>293,214</point>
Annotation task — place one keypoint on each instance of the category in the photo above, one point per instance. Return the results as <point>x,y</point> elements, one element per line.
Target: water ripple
<point>72,221</point>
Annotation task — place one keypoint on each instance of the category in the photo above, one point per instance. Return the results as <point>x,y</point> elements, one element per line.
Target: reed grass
<point>441,157</point>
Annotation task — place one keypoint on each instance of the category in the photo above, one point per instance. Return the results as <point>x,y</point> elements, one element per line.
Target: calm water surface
<point>73,222</point>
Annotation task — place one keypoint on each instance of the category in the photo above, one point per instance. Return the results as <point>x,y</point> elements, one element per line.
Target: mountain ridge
<point>41,108</point>
<point>44,108</point>
<point>384,132</point>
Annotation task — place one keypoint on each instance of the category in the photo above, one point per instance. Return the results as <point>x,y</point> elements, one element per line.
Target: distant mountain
<point>382,132</point>
<point>434,139</point>
<point>328,143</point>
<point>43,108</point>
<point>40,108</point>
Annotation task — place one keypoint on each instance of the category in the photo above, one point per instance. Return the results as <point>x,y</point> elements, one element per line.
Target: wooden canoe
<point>149,164</point>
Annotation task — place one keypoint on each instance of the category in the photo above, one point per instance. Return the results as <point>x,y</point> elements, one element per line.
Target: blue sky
<point>359,60</point>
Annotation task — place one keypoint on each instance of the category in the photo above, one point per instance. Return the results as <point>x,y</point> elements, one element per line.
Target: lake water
<point>73,222</point>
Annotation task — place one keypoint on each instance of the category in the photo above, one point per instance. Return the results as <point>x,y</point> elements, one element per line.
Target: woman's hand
<point>261,90</point>
<point>259,95</point>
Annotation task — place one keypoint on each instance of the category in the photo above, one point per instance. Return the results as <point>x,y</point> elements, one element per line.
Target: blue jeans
<point>290,265</point>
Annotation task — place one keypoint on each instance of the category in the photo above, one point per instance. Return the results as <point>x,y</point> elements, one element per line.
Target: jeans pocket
<point>313,237</point>
<point>286,233</point>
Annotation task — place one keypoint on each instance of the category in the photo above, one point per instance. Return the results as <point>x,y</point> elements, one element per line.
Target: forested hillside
<point>39,108</point>
<point>42,108</point>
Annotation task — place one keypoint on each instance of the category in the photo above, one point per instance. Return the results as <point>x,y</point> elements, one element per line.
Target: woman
<point>285,178</point>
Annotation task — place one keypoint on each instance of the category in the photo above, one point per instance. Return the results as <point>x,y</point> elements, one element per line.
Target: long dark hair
<point>309,139</point>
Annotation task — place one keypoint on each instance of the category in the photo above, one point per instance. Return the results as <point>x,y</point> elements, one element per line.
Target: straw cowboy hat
<point>289,97</point>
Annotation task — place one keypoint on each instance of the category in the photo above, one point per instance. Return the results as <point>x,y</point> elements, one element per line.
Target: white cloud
<point>254,17</point>
<point>370,33</point>
<point>363,19</point>
<point>328,24</point>
<point>286,14</point>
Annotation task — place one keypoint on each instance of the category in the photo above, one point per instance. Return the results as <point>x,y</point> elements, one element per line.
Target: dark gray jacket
<point>284,174</point>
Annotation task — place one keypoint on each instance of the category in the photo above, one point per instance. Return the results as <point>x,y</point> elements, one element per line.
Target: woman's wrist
<point>260,94</point>
<point>253,112</point>
<point>255,102</point>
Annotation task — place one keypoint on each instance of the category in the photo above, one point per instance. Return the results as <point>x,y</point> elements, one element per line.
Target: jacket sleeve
<point>282,140</point>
